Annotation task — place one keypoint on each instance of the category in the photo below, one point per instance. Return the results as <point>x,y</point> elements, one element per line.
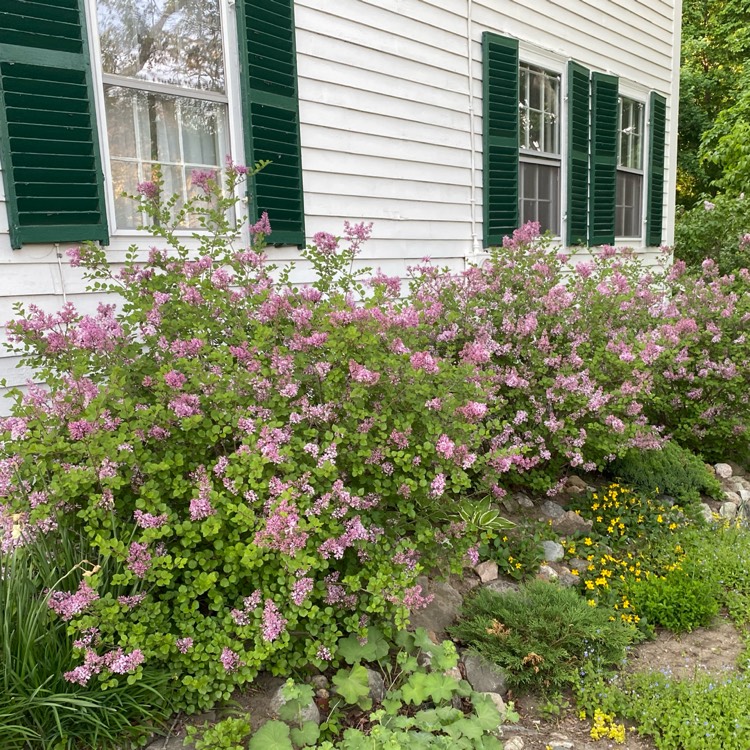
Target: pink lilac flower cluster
<point>117,662</point>
<point>68,606</point>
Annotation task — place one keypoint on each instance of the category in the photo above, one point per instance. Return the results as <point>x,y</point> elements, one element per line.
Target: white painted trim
<point>164,88</point>
<point>674,114</point>
<point>476,242</point>
<point>101,115</point>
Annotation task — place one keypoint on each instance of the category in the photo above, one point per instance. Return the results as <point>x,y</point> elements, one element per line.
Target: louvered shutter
<point>500,112</point>
<point>268,61</point>
<point>603,187</point>
<point>49,144</point>
<point>656,155</point>
<point>579,133</point>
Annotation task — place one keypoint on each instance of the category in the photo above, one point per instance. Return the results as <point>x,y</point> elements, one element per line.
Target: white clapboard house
<point>447,123</point>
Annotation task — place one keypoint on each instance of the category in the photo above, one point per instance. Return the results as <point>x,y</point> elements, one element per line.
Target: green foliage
<point>542,634</point>
<point>39,709</point>
<point>353,686</point>
<point>678,601</point>
<point>518,552</point>
<point>673,471</point>
<point>373,647</point>
<point>715,49</point>
<point>227,734</point>
<point>715,232</point>
<point>417,711</point>
<point>705,712</point>
<point>273,735</point>
<point>257,458</point>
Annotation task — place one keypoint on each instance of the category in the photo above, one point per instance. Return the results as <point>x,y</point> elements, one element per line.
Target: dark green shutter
<point>49,144</point>
<point>656,154</point>
<point>603,186</point>
<point>500,112</point>
<point>579,132</point>
<point>268,60</point>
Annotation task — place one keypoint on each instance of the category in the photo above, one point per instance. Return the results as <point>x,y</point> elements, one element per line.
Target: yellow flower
<point>574,571</point>
<point>591,602</point>
<point>659,519</point>
<point>588,541</point>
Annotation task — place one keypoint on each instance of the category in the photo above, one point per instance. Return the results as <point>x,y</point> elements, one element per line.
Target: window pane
<point>540,195</point>
<point>179,133</point>
<point>539,107</point>
<point>630,134</point>
<point>628,204</point>
<point>167,41</point>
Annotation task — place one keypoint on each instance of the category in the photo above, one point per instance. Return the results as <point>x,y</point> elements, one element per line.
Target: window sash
<point>629,204</point>
<point>539,193</point>
<point>539,109</point>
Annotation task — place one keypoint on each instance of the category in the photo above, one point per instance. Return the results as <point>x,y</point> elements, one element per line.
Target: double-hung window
<point>540,155</point>
<point>164,94</point>
<point>629,202</point>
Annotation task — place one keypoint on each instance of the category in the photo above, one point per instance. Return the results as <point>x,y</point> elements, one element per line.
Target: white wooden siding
<point>385,124</point>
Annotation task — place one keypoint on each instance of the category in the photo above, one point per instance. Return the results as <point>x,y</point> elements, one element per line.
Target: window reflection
<point>176,42</point>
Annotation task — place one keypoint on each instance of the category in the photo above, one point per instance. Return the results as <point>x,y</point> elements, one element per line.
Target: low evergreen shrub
<point>673,471</point>
<point>542,635</point>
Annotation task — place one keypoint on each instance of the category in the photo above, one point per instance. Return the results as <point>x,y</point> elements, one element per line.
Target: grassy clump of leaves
<point>542,634</point>
<point>673,470</point>
<point>39,709</point>
<point>681,601</point>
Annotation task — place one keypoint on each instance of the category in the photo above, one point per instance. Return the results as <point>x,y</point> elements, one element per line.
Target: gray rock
<point>566,578</point>
<point>377,685</point>
<point>523,500</point>
<point>514,743</point>
<point>744,495</point>
<point>547,573</point>
<point>733,485</point>
<point>732,497</point>
<point>454,672</point>
<point>501,586</point>
<point>570,522</point>
<point>487,571</point>
<point>723,471</point>
<point>574,481</point>
<point>579,564</point>
<point>553,551</point>
<point>320,682</point>
<point>442,611</point>
<point>559,744</point>
<point>310,712</point>
<point>552,510</point>
<point>483,676</point>
<point>707,513</point>
<point>728,511</point>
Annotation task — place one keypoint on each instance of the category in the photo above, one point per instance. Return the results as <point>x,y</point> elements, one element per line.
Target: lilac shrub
<point>566,368</point>
<point>271,467</point>
<point>701,388</point>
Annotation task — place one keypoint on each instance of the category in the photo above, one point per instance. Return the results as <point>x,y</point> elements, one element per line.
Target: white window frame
<point>530,54</point>
<point>639,94</point>
<point>121,238</point>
